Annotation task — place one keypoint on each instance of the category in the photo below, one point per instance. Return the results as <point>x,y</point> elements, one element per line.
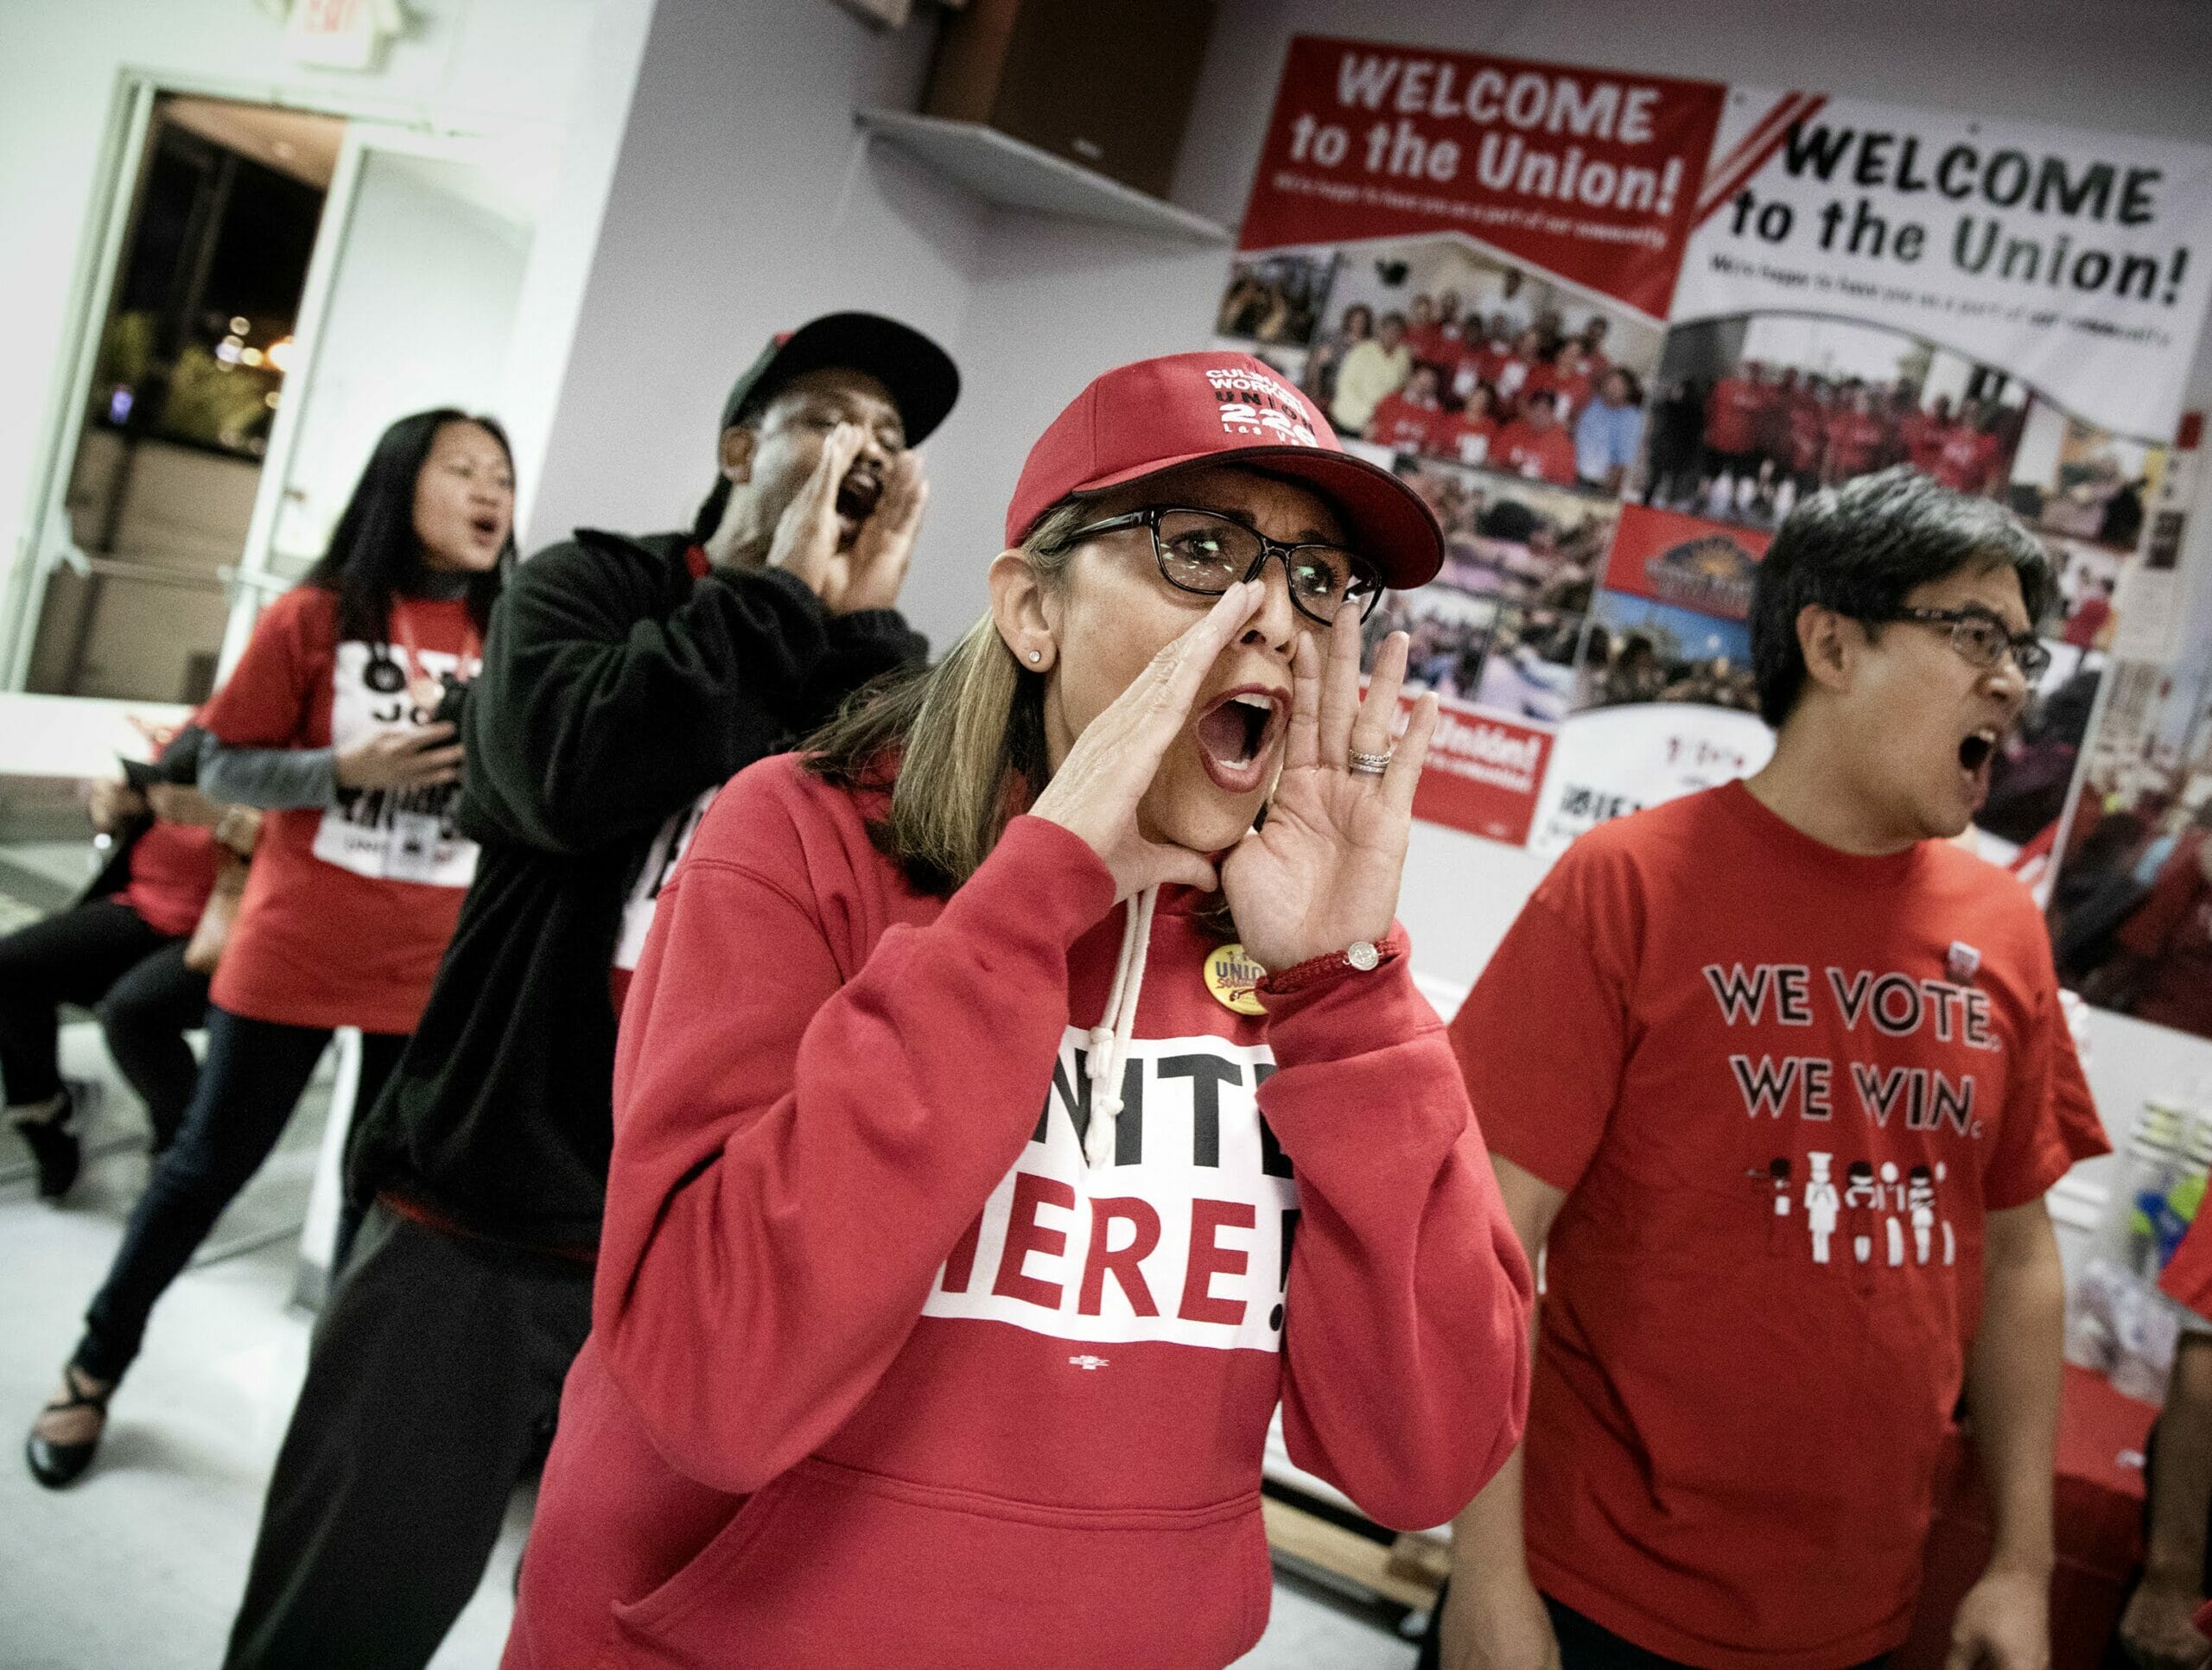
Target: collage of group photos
<point>1607,486</point>
<point>2131,899</point>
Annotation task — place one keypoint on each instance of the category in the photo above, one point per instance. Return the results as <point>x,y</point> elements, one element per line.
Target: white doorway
<point>203,450</point>
<point>172,411</point>
<point>427,242</point>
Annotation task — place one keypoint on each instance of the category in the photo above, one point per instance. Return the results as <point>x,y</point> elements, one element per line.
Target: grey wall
<point>743,204</point>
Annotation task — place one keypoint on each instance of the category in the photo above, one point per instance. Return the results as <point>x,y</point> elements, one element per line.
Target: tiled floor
<point>139,1566</point>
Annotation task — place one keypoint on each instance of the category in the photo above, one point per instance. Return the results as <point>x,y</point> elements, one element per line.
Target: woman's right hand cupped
<point>1095,793</point>
<point>420,758</point>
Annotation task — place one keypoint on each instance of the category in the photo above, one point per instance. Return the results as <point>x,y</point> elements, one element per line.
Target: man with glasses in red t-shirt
<point>1784,1147</point>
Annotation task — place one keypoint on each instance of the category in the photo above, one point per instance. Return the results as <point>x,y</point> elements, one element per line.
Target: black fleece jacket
<point>616,688</point>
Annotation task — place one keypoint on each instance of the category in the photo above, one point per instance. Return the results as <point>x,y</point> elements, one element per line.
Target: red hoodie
<point>882,1373</point>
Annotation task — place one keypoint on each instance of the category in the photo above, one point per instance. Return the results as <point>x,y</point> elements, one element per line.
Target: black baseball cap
<point>922,381</point>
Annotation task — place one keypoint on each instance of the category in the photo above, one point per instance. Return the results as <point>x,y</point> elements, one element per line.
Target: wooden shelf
<point>1408,1569</point>
<point>1002,169</point>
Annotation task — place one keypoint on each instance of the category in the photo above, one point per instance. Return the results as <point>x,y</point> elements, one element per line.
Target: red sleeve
<point>2187,1279</point>
<point>1413,1293</point>
<point>1545,1109</point>
<point>267,700</point>
<point>2080,1126</point>
<point>2032,1149</point>
<point>795,1152</point>
<point>2166,904</point>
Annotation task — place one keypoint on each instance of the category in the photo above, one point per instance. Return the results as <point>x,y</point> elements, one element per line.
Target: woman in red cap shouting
<point>978,1188</point>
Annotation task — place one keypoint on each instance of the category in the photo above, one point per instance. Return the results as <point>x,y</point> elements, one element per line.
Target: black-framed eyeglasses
<point>1983,639</point>
<point>1204,552</point>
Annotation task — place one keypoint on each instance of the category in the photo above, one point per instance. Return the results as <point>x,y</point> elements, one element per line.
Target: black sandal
<point>55,1151</point>
<point>56,1464</point>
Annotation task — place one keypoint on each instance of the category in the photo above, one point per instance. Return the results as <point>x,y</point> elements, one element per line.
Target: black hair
<point>374,554</point>
<point>709,515</point>
<point>1858,549</point>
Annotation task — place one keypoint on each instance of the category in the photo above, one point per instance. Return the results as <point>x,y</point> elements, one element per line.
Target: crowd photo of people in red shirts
<point>1431,352</point>
<point>1498,394</point>
<point>1745,444</point>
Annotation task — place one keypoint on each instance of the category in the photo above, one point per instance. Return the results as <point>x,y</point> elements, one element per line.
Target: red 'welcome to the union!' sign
<point>1590,174</point>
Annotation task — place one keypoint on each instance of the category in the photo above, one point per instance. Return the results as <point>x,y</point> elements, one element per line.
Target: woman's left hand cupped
<point>1322,873</point>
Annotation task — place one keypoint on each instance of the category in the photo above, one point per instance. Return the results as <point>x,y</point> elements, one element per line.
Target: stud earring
<point>1036,655</point>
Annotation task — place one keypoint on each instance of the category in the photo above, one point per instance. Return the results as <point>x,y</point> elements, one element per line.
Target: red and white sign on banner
<point>1483,773</point>
<point>2073,260</point>
<point>1590,174</point>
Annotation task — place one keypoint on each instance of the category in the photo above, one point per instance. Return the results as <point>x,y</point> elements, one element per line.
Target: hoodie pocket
<point>829,1566</point>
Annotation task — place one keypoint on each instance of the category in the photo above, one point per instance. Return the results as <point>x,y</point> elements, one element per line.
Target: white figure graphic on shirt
<point>1863,1195</point>
<point>1950,1244</point>
<point>1920,1200</point>
<point>1821,1203</point>
<point>1781,1185</point>
<point>1891,1226</point>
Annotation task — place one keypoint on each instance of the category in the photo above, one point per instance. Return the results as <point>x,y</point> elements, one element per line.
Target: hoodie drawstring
<point>1109,1040</point>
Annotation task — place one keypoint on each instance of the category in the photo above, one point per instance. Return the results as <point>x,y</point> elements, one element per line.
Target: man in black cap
<point>624,680</point>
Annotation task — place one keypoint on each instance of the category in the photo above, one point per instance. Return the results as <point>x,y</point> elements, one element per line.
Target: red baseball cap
<point>1157,415</point>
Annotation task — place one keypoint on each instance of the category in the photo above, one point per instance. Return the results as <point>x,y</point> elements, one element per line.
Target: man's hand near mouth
<point>876,563</point>
<point>809,532</point>
<point>852,562</point>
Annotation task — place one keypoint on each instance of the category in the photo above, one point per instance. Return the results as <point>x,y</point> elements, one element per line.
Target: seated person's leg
<point>70,957</point>
<point>145,1016</point>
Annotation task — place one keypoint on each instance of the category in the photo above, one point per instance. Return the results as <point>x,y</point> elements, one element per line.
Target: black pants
<point>1583,1645</point>
<point>1712,464</point>
<point>102,956</point>
<point>436,1368</point>
<point>255,1073</point>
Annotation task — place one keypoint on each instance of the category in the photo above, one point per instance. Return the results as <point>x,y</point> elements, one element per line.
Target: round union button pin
<point>1230,976</point>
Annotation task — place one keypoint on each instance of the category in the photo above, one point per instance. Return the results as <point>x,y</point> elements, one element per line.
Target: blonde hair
<point>959,746</point>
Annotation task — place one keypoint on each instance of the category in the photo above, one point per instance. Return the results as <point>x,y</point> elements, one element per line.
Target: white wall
<point>554,74</point>
<point>390,342</point>
<point>743,204</point>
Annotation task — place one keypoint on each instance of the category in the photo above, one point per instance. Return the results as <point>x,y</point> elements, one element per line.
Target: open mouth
<point>1977,753</point>
<point>1236,734</point>
<point>486,528</point>
<point>859,493</point>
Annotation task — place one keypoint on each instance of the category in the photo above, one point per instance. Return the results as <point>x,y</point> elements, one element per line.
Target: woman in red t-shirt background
<point>2164,972</point>
<point>119,951</point>
<point>334,721</point>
